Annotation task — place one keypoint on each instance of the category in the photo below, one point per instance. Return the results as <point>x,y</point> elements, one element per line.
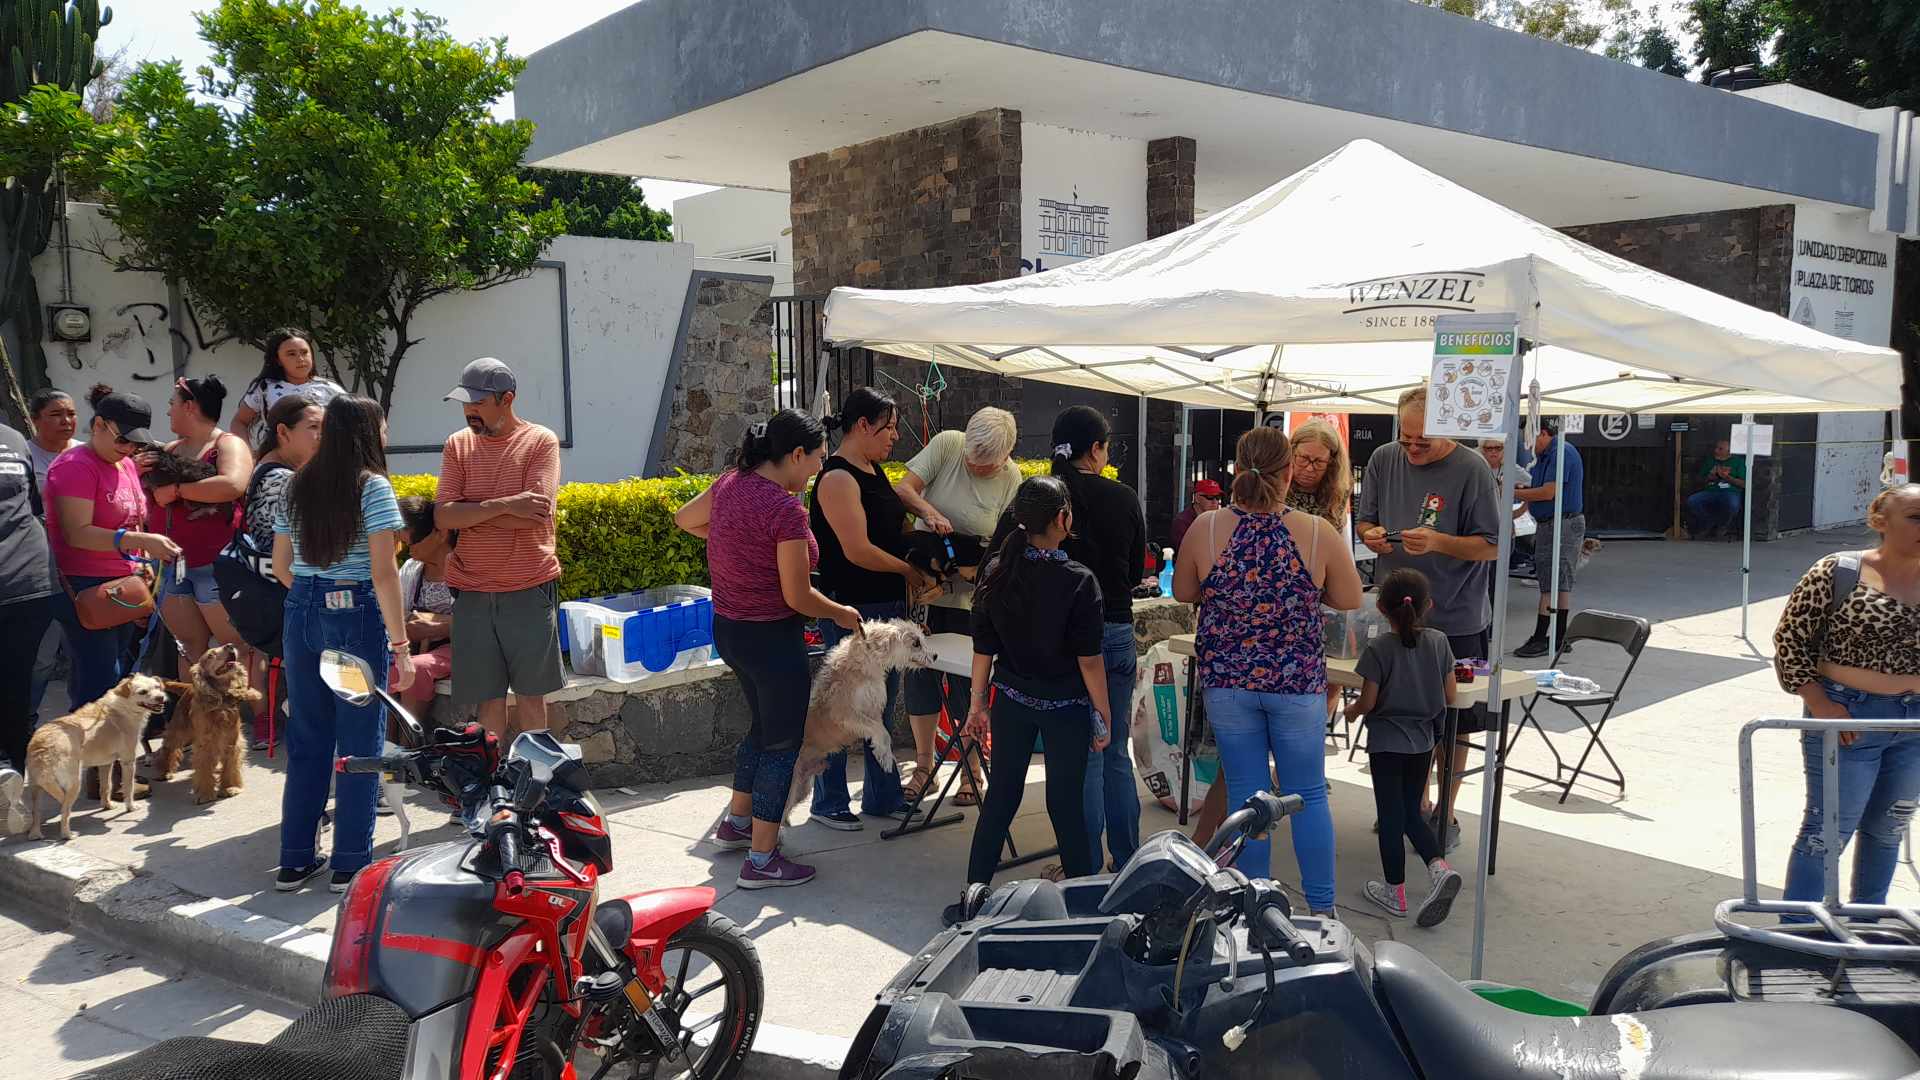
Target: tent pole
<point>1746,532</point>
<point>1140,445</point>
<point>1490,764</point>
<point>1186,441</point>
<point>1559,489</point>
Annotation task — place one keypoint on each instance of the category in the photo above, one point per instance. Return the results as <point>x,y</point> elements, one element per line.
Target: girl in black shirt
<point>1110,539</point>
<point>1037,631</point>
<point>860,525</point>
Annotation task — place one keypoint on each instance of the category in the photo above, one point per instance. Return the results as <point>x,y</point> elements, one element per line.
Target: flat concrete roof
<point>728,91</point>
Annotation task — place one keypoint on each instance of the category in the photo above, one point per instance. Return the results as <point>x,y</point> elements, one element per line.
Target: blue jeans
<point>1879,783</point>
<point>882,795</point>
<point>98,656</point>
<point>1252,727</point>
<point>1713,508</point>
<point>323,727</point>
<point>1112,800</point>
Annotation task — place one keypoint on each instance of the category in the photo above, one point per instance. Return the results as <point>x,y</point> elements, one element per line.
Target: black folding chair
<point>1629,633</point>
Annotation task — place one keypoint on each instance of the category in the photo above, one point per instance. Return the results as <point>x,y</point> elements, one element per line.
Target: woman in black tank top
<point>860,525</point>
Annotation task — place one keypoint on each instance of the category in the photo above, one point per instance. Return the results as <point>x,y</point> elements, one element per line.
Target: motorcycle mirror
<point>348,676</point>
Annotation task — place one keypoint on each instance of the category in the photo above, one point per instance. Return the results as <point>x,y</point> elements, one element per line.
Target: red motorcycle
<point>493,958</point>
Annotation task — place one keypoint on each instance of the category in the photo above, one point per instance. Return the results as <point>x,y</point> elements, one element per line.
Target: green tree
<point>601,205</point>
<point>1866,52</point>
<point>1659,50</point>
<point>1582,25</point>
<point>46,43</point>
<point>356,174</point>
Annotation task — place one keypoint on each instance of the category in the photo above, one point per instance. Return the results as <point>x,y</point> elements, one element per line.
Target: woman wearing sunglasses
<point>96,515</point>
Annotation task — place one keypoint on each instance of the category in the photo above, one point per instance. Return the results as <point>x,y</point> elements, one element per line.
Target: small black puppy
<point>939,556</point>
<point>169,468</point>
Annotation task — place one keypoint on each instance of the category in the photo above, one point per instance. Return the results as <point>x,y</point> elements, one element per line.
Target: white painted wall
<point>1837,288</point>
<point>622,317</point>
<point>723,223</point>
<point>1081,169</point>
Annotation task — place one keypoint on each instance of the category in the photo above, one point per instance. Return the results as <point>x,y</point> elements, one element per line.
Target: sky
<point>166,30</point>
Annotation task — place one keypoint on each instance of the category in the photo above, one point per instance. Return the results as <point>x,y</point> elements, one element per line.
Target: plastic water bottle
<point>1574,684</point>
<point>1166,571</point>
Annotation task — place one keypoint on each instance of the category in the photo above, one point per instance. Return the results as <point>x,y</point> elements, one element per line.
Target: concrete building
<point>937,142</point>
<point>739,225</point>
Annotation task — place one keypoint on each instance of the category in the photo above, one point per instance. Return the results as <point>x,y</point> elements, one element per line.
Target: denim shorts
<point>198,583</point>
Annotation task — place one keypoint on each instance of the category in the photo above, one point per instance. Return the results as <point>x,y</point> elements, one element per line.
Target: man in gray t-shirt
<point>1441,501</point>
<point>1431,505</point>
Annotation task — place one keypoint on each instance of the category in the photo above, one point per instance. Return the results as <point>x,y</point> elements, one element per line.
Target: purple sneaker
<point>728,838</point>
<point>779,873</point>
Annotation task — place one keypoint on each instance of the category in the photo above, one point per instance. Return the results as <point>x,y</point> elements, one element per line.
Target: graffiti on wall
<point>144,330</point>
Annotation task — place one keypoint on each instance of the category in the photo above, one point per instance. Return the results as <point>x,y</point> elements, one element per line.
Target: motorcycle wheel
<point>713,998</point>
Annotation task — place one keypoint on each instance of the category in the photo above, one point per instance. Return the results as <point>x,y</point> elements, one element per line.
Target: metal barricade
<point>1842,943</point>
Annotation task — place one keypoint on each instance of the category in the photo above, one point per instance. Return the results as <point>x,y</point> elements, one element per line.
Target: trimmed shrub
<point>619,537</point>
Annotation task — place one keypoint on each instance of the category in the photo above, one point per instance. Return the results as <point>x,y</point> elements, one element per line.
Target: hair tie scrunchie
<point>759,430</point>
<point>1406,601</point>
<point>1064,450</point>
<point>1252,470</point>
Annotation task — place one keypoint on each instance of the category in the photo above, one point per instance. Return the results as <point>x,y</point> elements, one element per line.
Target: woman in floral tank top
<point>1260,573</point>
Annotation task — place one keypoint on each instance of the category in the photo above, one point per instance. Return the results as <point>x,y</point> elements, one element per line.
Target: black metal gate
<point>804,364</point>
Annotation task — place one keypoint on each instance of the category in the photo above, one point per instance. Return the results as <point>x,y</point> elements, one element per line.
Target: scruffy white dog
<point>850,696</point>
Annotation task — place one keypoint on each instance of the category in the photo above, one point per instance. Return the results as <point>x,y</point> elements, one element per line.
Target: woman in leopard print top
<point>1859,658</point>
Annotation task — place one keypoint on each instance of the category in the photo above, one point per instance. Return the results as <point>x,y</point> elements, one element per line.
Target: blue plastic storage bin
<point>627,636</point>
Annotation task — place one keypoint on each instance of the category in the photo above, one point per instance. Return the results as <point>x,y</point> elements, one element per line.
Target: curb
<point>262,953</point>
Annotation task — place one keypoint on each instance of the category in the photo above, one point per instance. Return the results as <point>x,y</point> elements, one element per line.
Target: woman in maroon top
<point>760,556</point>
<point>200,516</point>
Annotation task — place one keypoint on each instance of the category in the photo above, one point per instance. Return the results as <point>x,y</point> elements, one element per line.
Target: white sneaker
<point>1388,897</point>
<point>11,784</point>
<point>1434,909</point>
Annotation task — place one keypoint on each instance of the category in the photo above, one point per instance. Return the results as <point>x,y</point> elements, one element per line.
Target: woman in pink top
<point>760,555</point>
<point>96,509</point>
<point>200,516</point>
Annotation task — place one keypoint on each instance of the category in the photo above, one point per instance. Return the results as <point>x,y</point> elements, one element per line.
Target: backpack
<point>255,600</point>
<point>1846,574</point>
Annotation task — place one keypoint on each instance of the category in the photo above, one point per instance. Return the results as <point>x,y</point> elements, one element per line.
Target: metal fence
<point>805,366</point>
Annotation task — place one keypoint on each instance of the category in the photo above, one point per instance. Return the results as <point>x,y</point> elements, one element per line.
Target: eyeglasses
<point>1308,461</point>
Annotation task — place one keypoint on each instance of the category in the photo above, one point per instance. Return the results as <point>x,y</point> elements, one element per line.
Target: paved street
<point>73,1003</point>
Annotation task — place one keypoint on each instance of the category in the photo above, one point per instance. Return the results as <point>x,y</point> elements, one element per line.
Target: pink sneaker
<point>779,873</point>
<point>728,838</point>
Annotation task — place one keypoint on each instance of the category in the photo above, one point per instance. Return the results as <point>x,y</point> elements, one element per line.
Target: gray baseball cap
<point>481,378</point>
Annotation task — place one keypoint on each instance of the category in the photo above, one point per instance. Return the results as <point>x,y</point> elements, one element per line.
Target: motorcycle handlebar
<point>1261,811</point>
<point>387,763</point>
<point>1279,929</point>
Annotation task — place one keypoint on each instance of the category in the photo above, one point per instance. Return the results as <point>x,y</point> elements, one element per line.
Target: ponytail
<point>771,440</point>
<point>1076,431</point>
<point>1036,504</point>
<point>865,403</point>
<point>1260,462</point>
<point>1404,597</point>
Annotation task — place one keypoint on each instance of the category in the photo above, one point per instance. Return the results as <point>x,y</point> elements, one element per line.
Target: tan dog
<point>209,719</point>
<point>98,735</point>
<point>850,697</point>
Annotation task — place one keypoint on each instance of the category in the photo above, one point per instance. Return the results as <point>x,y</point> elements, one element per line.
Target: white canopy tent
<point>1319,293</point>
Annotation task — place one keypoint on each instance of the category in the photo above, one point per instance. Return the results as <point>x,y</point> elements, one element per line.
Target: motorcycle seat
<point>359,1037</point>
<point>615,920</point>
<point>1452,1032</point>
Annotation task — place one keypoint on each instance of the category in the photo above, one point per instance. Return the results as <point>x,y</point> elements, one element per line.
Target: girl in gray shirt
<point>1408,686</point>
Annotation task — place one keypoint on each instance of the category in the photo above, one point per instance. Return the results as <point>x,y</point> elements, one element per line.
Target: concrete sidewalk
<point>1579,884</point>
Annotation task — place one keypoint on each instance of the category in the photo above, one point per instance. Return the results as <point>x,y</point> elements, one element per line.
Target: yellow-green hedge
<point>614,538</point>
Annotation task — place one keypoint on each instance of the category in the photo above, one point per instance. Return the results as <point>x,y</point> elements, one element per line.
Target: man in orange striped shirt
<point>497,484</point>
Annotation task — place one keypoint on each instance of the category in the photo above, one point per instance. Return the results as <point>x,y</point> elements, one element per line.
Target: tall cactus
<point>41,42</point>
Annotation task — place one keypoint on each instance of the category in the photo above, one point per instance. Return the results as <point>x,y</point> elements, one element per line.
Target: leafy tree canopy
<point>356,174</point>
<point>600,205</point>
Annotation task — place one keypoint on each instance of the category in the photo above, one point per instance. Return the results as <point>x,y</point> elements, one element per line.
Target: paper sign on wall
<point>1573,424</point>
<point>1762,439</point>
<point>1474,387</point>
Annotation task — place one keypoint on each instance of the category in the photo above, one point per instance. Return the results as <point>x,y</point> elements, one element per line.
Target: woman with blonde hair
<point>1260,573</point>
<point>1322,481</point>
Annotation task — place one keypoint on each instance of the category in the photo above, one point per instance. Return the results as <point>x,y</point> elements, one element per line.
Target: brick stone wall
<point>1743,254</point>
<point>1171,163</point>
<point>725,374</point>
<point>935,206</point>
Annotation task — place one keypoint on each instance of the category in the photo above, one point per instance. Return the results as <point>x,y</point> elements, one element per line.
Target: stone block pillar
<point>935,206</point>
<point>1170,173</point>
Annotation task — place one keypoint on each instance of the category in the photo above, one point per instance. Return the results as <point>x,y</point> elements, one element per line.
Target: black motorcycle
<point>1182,967</point>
